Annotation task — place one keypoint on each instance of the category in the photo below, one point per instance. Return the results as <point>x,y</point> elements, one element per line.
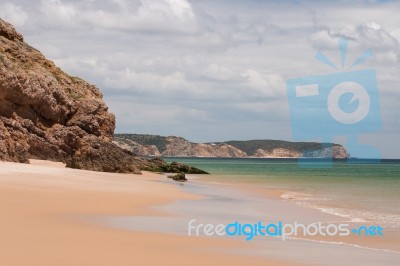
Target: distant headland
<point>172,146</point>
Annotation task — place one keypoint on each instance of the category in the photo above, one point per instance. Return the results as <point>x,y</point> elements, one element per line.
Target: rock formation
<point>180,177</point>
<point>277,152</point>
<point>151,145</point>
<point>48,114</point>
<point>180,147</point>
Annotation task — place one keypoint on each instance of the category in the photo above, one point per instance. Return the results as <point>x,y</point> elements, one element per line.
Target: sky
<point>214,70</point>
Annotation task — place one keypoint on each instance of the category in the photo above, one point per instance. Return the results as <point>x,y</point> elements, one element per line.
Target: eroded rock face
<point>180,147</point>
<point>277,152</point>
<point>335,151</point>
<point>154,145</point>
<point>106,157</point>
<point>136,148</point>
<point>47,114</point>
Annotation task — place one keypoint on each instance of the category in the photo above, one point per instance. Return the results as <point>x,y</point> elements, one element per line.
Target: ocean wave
<point>351,215</point>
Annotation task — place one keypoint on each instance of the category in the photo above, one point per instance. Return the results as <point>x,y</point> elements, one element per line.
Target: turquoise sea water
<point>361,191</point>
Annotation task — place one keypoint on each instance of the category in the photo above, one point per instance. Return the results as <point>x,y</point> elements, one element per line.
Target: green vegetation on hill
<point>250,146</point>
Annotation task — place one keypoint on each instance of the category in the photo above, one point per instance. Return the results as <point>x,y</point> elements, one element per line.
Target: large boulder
<point>47,114</point>
<point>159,165</point>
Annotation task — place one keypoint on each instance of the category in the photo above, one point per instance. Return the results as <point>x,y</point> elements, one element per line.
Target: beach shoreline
<point>42,205</point>
<point>390,241</point>
<point>56,215</point>
<point>234,202</point>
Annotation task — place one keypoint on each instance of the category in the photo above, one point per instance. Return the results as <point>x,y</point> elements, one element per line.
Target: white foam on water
<point>351,215</point>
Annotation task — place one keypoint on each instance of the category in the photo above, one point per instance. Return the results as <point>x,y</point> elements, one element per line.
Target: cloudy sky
<point>213,70</point>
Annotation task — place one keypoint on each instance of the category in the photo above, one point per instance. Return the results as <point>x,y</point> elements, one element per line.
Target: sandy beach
<point>42,210</point>
<point>52,215</point>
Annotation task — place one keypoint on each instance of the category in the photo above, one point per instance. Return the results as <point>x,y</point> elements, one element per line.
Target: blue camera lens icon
<point>341,104</point>
<point>338,104</point>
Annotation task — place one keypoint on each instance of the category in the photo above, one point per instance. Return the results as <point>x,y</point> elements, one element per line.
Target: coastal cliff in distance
<point>47,114</point>
<point>153,145</point>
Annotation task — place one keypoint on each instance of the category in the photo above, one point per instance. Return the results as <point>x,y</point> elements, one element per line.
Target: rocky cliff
<point>152,145</point>
<point>178,147</point>
<point>47,114</point>
<point>175,147</point>
<point>280,148</point>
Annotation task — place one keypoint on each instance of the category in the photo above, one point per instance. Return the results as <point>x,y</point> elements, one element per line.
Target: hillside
<point>154,145</point>
<point>47,114</point>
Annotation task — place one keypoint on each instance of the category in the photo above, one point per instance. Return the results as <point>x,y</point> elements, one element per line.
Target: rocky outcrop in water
<point>159,165</point>
<point>178,177</point>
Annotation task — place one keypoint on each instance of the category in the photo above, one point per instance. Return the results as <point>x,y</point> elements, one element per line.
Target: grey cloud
<point>209,70</point>
<point>13,13</point>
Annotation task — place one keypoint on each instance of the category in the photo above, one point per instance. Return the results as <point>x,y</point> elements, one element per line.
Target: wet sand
<point>228,203</point>
<point>48,217</point>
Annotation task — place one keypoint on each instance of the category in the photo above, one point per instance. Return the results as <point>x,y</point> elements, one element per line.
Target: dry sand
<point>41,206</point>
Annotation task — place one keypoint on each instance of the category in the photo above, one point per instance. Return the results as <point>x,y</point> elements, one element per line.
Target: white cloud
<point>168,16</point>
<point>14,14</point>
<point>373,35</point>
<point>265,84</point>
<point>224,62</point>
<point>57,11</point>
<point>148,82</point>
<point>162,11</point>
<point>218,72</point>
<point>368,35</point>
